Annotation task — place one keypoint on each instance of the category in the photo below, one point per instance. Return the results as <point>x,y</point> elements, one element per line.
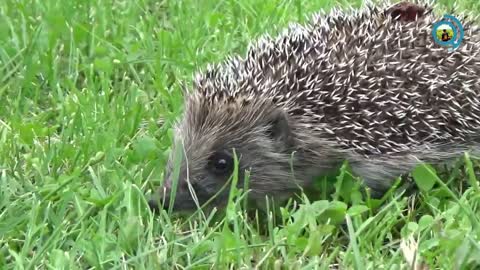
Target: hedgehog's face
<point>207,138</point>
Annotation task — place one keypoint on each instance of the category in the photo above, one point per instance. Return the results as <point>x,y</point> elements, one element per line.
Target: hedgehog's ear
<point>279,128</point>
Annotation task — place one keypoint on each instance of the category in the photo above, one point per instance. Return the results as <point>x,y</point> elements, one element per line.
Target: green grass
<point>83,85</point>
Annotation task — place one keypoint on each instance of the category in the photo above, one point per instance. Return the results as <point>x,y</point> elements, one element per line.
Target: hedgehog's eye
<point>220,163</point>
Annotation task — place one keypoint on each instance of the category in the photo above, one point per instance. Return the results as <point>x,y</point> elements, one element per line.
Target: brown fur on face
<point>406,12</point>
<point>261,136</point>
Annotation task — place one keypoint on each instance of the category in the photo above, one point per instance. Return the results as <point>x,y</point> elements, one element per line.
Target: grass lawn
<point>83,84</point>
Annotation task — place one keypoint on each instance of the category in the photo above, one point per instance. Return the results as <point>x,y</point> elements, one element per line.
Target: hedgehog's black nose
<point>153,204</point>
<point>156,202</point>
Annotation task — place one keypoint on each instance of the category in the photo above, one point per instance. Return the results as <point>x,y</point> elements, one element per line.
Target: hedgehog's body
<point>362,87</point>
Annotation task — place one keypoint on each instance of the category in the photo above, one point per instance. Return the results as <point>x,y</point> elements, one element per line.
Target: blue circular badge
<point>452,38</point>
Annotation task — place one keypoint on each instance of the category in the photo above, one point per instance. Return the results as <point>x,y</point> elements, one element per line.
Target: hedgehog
<point>370,86</point>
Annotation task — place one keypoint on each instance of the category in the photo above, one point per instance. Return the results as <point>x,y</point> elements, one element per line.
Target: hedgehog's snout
<point>161,198</point>
<point>153,205</point>
<point>186,197</point>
